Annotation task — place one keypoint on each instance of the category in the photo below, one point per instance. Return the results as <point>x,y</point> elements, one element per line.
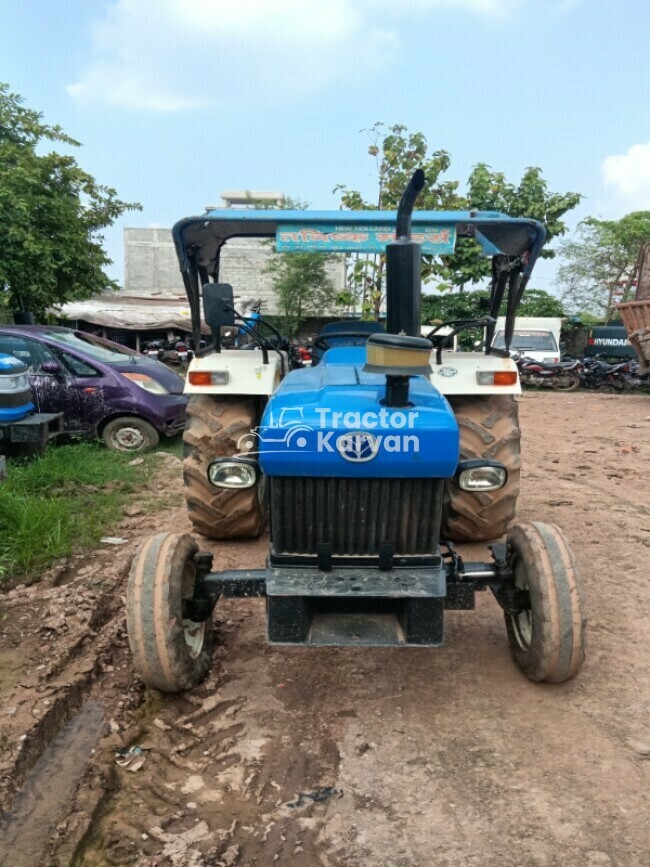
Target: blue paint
<point>11,365</point>
<point>16,413</point>
<point>14,388</point>
<point>300,435</point>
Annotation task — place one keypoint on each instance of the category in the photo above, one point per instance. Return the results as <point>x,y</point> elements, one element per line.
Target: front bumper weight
<point>356,607</point>
<point>349,606</point>
<point>346,606</point>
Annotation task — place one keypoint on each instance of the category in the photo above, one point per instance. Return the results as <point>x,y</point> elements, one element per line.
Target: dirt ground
<point>346,757</point>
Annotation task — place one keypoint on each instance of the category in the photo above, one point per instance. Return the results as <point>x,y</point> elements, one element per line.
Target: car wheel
<point>130,434</point>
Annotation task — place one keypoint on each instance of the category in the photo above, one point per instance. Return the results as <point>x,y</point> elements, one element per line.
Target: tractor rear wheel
<point>547,637</point>
<point>216,428</point>
<point>170,653</point>
<point>489,428</point>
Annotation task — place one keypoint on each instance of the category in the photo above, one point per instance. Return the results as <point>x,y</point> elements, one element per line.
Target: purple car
<point>102,388</point>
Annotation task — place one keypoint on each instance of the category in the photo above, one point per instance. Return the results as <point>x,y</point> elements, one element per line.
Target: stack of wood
<point>636,314</point>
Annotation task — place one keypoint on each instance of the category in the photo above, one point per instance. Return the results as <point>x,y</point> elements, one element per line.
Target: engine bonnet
<point>330,421</point>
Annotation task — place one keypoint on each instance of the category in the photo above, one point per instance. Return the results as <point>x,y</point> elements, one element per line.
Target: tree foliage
<point>397,153</point>
<point>302,287</point>
<point>476,304</point>
<point>599,260</point>
<point>52,214</point>
<point>300,280</point>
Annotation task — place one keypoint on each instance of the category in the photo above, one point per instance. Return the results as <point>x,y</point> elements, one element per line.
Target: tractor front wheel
<point>170,652</point>
<point>547,635</point>
<point>218,428</point>
<point>489,428</point>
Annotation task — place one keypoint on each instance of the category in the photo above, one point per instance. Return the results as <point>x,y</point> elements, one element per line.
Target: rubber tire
<point>574,380</point>
<point>616,386</point>
<point>154,615</point>
<point>489,428</point>
<point>558,637</point>
<point>149,432</point>
<point>213,429</point>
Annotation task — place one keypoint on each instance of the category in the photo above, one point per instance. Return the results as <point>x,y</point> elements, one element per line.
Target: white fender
<point>458,373</point>
<point>243,370</point>
<point>245,373</point>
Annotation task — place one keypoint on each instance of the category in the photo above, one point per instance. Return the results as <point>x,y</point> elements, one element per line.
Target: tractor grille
<point>355,515</point>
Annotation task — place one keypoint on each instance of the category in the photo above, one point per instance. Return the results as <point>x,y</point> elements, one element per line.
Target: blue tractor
<point>15,392</point>
<point>366,465</point>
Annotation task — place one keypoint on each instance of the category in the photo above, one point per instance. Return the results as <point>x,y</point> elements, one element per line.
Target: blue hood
<point>330,421</point>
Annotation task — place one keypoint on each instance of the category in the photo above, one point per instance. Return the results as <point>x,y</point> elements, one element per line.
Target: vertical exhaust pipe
<point>403,267</point>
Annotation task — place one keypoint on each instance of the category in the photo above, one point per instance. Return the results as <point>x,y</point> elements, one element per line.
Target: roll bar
<point>513,243</point>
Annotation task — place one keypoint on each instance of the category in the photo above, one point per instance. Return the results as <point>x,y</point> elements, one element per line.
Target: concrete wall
<point>150,263</point>
<point>151,267</point>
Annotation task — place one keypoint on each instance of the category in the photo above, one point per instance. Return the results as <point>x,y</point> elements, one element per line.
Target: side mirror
<point>562,345</point>
<point>51,367</point>
<point>218,309</point>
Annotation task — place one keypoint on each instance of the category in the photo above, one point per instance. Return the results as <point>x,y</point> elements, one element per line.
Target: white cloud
<point>166,55</point>
<point>626,178</point>
<point>169,55</point>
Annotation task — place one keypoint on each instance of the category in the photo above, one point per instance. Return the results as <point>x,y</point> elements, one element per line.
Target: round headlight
<point>483,478</point>
<point>232,474</point>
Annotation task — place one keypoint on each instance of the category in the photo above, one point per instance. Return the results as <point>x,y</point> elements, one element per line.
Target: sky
<point>175,101</point>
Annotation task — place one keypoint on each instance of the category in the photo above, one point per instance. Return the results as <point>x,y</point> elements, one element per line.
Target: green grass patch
<point>173,445</point>
<point>62,503</point>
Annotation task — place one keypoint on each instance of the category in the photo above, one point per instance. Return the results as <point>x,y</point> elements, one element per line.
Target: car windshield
<point>534,340</point>
<point>95,347</point>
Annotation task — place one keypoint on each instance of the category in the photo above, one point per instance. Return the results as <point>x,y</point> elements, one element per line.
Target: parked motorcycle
<point>607,378</point>
<point>173,352</point>
<point>562,376</point>
<point>635,378</point>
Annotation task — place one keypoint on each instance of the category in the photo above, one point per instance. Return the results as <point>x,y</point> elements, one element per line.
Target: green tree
<point>476,304</point>
<point>488,190</point>
<point>302,287</point>
<point>52,214</point>
<point>397,153</point>
<point>600,260</point>
<point>300,280</point>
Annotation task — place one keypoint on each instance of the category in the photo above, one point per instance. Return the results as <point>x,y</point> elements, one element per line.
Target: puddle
<point>41,803</point>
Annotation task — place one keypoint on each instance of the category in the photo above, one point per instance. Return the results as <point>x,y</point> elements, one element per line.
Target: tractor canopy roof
<point>198,240</point>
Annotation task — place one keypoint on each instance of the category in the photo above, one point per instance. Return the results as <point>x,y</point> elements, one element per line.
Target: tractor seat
<point>352,333</point>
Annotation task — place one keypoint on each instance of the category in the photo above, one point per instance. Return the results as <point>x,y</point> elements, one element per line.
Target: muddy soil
<point>347,757</point>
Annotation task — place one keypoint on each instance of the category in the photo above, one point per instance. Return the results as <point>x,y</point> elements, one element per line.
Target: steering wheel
<point>322,341</point>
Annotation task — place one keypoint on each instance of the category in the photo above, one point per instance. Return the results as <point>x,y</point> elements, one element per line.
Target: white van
<point>534,337</point>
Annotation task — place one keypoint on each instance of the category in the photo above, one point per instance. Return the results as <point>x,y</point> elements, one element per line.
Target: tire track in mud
<point>68,632</point>
<point>51,693</point>
<point>227,758</point>
<point>43,799</point>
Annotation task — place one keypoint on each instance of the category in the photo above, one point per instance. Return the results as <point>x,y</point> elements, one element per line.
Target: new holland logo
<point>358,446</point>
